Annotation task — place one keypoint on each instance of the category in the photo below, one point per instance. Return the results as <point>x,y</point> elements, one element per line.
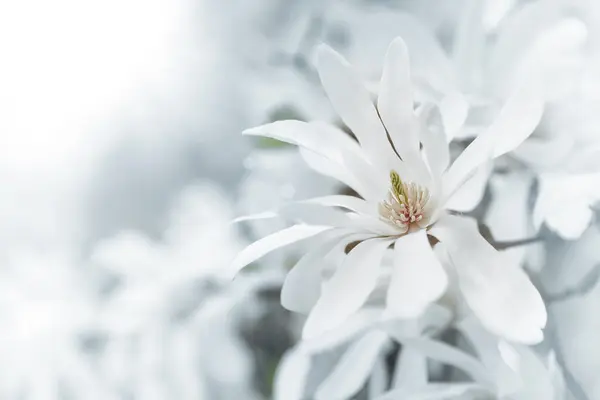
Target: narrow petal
<point>439,391</point>
<point>254,217</point>
<point>355,326</point>
<point>328,167</point>
<point>468,50</point>
<point>326,149</point>
<point>314,136</point>
<point>434,142</point>
<point>418,278</point>
<point>349,287</point>
<point>378,382</point>
<point>499,293</point>
<point>486,346</point>
<point>470,193</point>
<point>444,353</point>
<point>352,102</point>
<point>411,369</point>
<point>273,242</point>
<point>302,285</point>
<point>454,109</point>
<point>510,195</point>
<point>292,375</point>
<point>353,369</point>
<point>564,202</point>
<point>351,203</point>
<point>395,101</point>
<point>516,121</point>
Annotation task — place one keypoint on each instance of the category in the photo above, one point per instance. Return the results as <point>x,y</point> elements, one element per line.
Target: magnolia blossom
<point>399,167</point>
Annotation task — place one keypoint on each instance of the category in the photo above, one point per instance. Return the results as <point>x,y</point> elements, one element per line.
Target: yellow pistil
<point>405,205</point>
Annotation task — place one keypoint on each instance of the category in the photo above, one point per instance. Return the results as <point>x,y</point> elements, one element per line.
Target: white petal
<point>351,203</point>
<point>367,223</point>
<point>469,39</point>
<point>439,391</point>
<point>418,278</point>
<point>564,202</point>
<point>315,136</point>
<point>379,378</point>
<point>272,242</point>
<point>444,353</point>
<point>485,344</point>
<point>515,38</point>
<point>326,149</point>
<point>352,371</point>
<point>328,167</point>
<point>570,224</point>
<point>498,292</point>
<point>292,375</point>
<point>314,214</point>
<point>254,217</point>
<point>302,285</point>
<point>516,121</point>
<point>411,369</point>
<point>352,101</point>
<point>433,138</point>
<point>395,102</point>
<point>469,194</point>
<point>359,322</point>
<point>510,194</point>
<point>349,287</point>
<point>454,109</point>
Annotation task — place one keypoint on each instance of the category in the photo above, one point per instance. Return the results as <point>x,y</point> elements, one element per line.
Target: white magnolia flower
<point>400,169</point>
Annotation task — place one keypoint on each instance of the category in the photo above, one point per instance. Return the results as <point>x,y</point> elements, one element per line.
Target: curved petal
<point>316,136</point>
<point>499,293</point>
<point>454,109</point>
<point>395,102</point>
<point>411,369</point>
<point>272,242</point>
<point>418,278</point>
<point>470,194</point>
<point>349,287</point>
<point>255,217</point>
<point>510,195</point>
<point>433,138</point>
<point>352,102</point>
<point>564,202</point>
<point>486,346</point>
<point>444,353</point>
<point>351,203</point>
<point>328,167</point>
<point>438,391</point>
<point>353,369</point>
<point>353,327</point>
<point>516,121</point>
<point>302,285</point>
<point>468,49</point>
<point>292,375</point>
<point>325,149</point>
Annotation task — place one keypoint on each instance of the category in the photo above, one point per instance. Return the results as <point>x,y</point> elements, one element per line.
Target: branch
<point>583,287</point>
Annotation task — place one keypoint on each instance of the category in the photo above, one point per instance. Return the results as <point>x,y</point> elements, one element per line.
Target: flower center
<point>405,205</point>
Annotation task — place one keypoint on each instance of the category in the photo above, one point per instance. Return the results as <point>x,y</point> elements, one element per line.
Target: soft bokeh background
<point>122,165</point>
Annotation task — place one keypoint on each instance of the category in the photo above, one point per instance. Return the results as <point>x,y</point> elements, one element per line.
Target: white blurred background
<point>122,165</point>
